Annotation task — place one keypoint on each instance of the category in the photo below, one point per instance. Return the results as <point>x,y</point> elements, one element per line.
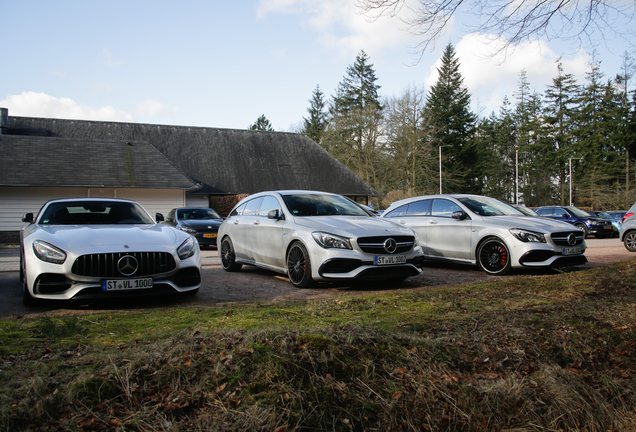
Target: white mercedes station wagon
<point>316,236</point>
<point>480,230</point>
<point>91,248</point>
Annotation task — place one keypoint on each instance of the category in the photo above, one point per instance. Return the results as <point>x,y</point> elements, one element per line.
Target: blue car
<point>591,225</point>
<point>616,221</point>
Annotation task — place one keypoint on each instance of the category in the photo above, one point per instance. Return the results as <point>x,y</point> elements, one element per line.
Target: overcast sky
<point>224,63</point>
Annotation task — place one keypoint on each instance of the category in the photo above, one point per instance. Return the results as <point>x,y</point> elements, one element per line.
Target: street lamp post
<point>570,163</point>
<point>440,168</point>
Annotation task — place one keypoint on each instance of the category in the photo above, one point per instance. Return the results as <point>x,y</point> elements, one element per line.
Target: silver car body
<point>628,233</point>
<point>453,227</point>
<point>85,255</point>
<point>263,228</point>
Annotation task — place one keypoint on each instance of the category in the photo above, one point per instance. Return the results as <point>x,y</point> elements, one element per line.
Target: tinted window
<point>269,203</point>
<point>419,208</point>
<point>545,212</point>
<point>197,213</point>
<point>322,205</point>
<point>444,208</point>
<point>94,213</point>
<point>398,212</point>
<point>561,213</point>
<point>252,207</point>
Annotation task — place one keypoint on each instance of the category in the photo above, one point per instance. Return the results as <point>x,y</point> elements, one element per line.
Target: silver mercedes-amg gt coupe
<point>316,237</point>
<point>90,248</point>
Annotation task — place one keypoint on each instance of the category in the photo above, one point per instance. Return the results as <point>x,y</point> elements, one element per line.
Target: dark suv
<point>591,225</point>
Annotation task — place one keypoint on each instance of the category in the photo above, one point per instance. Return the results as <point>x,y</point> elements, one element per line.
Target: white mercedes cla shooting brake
<point>316,236</point>
<point>101,248</point>
<point>484,231</point>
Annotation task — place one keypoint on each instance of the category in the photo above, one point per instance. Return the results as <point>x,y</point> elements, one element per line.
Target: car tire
<point>584,228</point>
<point>299,266</point>
<point>629,240</point>
<point>493,257</point>
<point>228,258</point>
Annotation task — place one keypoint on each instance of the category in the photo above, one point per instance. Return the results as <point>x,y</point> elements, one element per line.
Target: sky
<point>223,64</point>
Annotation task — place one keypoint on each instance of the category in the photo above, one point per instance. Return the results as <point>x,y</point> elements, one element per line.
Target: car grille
<point>561,238</point>
<point>105,264</point>
<point>375,245</point>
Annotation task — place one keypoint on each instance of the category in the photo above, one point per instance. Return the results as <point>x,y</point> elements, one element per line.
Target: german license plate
<point>572,251</point>
<point>209,235</point>
<point>607,227</point>
<point>388,260</point>
<point>126,284</point>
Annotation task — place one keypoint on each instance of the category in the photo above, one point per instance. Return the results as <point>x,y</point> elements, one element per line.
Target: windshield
<point>94,213</point>
<point>484,206</point>
<point>197,214</point>
<point>578,212</point>
<point>322,205</point>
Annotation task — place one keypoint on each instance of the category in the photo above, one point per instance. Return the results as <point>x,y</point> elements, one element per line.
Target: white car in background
<point>480,230</point>
<point>90,248</point>
<point>316,236</point>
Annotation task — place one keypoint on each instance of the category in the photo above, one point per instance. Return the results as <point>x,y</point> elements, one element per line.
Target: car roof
<point>419,198</point>
<point>88,199</point>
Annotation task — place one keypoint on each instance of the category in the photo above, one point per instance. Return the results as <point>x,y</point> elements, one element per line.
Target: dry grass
<point>525,353</point>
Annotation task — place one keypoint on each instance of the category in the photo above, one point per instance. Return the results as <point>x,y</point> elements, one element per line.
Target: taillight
<point>627,215</point>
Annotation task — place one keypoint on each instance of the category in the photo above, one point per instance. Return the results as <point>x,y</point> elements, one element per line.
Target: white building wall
<point>15,202</point>
<point>200,201</point>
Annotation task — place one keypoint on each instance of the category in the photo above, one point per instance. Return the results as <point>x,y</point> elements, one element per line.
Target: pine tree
<point>262,124</point>
<point>449,104</point>
<point>358,89</point>
<point>315,125</point>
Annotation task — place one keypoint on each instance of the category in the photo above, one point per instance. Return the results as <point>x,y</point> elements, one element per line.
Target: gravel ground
<point>252,284</point>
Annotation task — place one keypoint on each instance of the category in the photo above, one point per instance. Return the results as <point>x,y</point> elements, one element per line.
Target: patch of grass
<point>519,353</point>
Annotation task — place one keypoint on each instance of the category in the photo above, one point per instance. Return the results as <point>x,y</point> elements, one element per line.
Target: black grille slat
<point>375,245</point>
<point>105,265</point>
<point>561,238</point>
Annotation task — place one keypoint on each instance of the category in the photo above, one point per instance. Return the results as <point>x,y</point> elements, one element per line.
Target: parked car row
<point>99,248</point>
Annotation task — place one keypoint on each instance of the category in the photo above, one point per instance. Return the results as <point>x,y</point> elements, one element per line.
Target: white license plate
<point>126,284</point>
<point>388,260</point>
<point>572,251</point>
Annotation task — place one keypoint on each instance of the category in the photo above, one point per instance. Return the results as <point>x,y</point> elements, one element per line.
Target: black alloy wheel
<point>228,258</point>
<point>493,257</point>
<point>299,266</point>
<point>629,240</point>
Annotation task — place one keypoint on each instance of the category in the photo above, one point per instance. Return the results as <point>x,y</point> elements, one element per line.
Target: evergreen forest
<point>575,141</point>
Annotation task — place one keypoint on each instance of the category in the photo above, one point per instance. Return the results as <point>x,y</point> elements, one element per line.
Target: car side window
<point>398,212</point>
<point>269,203</point>
<point>252,206</point>
<point>545,212</point>
<point>419,208</point>
<point>561,213</point>
<point>239,210</point>
<point>444,208</point>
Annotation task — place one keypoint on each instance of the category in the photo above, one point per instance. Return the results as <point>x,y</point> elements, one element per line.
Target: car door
<point>267,235</point>
<point>415,216</point>
<point>447,237</point>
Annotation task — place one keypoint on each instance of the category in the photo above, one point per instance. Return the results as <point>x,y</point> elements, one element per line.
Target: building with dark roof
<point>160,166</point>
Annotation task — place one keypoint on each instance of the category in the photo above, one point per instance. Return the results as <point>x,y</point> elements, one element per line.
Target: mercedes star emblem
<point>390,245</point>
<point>127,265</point>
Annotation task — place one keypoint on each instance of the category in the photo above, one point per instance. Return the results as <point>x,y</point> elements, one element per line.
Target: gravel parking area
<point>252,284</point>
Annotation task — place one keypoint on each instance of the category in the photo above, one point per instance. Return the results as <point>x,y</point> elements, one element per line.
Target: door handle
<point>235,221</point>
<point>402,222</point>
<point>432,222</point>
<point>257,222</point>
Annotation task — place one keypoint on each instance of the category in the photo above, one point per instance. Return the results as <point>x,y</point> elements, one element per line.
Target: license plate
<point>208,235</point>
<point>126,284</point>
<point>607,227</point>
<point>572,251</point>
<point>388,260</point>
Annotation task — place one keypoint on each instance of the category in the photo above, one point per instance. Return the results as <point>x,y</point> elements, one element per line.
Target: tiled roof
<point>224,161</point>
<point>55,161</point>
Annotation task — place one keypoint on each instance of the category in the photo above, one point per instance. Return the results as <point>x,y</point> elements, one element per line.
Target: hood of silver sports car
<point>530,223</point>
<point>107,235</point>
<point>352,226</point>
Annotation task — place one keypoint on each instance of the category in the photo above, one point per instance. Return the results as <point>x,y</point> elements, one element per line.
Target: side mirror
<point>159,217</point>
<point>275,214</point>
<point>28,218</point>
<point>459,214</point>
<point>169,219</point>
<point>566,215</point>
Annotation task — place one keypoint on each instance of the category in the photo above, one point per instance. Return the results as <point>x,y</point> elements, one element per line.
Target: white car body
<point>278,231</point>
<point>449,229</point>
<point>628,232</point>
<point>72,259</point>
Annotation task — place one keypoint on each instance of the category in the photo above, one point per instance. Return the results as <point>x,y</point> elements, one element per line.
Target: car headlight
<point>527,236</point>
<point>187,249</point>
<point>49,253</point>
<point>188,229</point>
<point>329,241</point>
